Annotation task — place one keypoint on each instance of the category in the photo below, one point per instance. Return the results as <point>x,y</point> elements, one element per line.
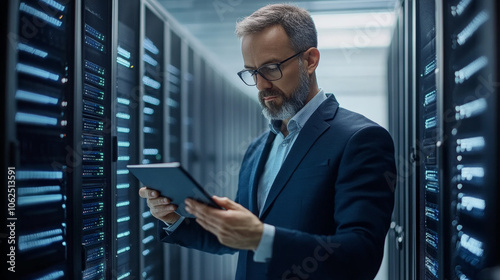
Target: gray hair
<point>296,21</point>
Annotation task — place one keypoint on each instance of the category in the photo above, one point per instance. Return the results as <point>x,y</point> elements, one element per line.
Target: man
<point>314,198</point>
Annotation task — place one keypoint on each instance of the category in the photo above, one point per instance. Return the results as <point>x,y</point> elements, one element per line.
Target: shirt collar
<point>299,120</point>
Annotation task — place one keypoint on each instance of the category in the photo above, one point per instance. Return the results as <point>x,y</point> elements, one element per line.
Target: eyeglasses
<point>270,72</point>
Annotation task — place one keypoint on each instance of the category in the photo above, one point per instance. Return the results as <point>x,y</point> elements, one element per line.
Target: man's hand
<point>235,227</point>
<point>159,206</point>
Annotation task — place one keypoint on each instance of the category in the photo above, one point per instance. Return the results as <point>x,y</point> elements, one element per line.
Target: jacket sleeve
<point>363,203</point>
<point>190,234</point>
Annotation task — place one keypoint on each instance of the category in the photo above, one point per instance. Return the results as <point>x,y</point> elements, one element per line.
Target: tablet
<point>174,182</point>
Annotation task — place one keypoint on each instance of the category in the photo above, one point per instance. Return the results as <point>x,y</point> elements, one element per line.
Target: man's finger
<point>145,192</point>
<point>211,227</point>
<point>225,202</point>
<point>204,212</point>
<point>193,207</point>
<point>164,209</point>
<point>198,209</point>
<point>152,202</point>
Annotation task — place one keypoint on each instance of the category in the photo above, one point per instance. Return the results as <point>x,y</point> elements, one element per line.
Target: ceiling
<point>212,23</point>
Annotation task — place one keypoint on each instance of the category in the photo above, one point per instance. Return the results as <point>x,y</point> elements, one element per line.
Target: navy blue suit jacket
<point>331,201</point>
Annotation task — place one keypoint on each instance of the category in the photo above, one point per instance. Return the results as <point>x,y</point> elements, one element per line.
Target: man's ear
<point>312,58</point>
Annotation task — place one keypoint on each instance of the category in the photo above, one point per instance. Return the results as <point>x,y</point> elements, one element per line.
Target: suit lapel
<point>308,135</point>
<point>257,170</point>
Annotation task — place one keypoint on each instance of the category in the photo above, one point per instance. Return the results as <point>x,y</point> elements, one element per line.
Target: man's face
<point>283,98</point>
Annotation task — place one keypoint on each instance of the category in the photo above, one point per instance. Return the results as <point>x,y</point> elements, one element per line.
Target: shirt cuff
<point>172,227</point>
<point>264,250</point>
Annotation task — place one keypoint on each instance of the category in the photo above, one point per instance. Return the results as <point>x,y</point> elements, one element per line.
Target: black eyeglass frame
<point>256,71</point>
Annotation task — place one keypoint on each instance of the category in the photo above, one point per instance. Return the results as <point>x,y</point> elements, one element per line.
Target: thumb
<point>225,202</point>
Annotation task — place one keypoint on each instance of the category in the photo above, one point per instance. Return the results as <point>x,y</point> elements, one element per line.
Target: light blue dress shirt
<point>279,151</point>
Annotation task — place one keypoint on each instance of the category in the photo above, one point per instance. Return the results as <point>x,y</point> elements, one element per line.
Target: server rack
<point>471,136</point>
<point>428,118</point>
<point>175,255</point>
<point>220,176</point>
<point>229,117</point>
<point>175,84</point>
<point>126,105</point>
<point>209,125</point>
<point>206,124</point>
<point>40,115</point>
<point>402,240</point>
<point>199,128</point>
<point>193,102</point>
<point>218,179</point>
<point>7,25</point>
<point>454,151</point>
<point>191,88</point>
<point>153,129</point>
<point>97,92</point>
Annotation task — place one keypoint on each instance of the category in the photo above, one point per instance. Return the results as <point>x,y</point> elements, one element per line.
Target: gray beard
<point>291,106</point>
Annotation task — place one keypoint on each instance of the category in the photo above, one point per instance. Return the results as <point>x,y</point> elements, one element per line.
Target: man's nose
<point>262,83</point>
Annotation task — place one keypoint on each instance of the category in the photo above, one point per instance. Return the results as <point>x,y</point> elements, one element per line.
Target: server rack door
<point>194,111</point>
<point>8,27</point>
<point>218,180</point>
<point>174,254</point>
<point>153,123</point>
<point>174,78</point>
<point>210,125</point>
<point>402,233</point>
<point>126,102</point>
<point>229,136</point>
<point>40,88</point>
<point>96,137</point>
<point>231,149</point>
<point>177,78</point>
<point>186,87</point>
<point>201,129</point>
<point>188,100</point>
<point>195,95</point>
<point>471,131</point>
<point>430,220</point>
<point>202,261</point>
